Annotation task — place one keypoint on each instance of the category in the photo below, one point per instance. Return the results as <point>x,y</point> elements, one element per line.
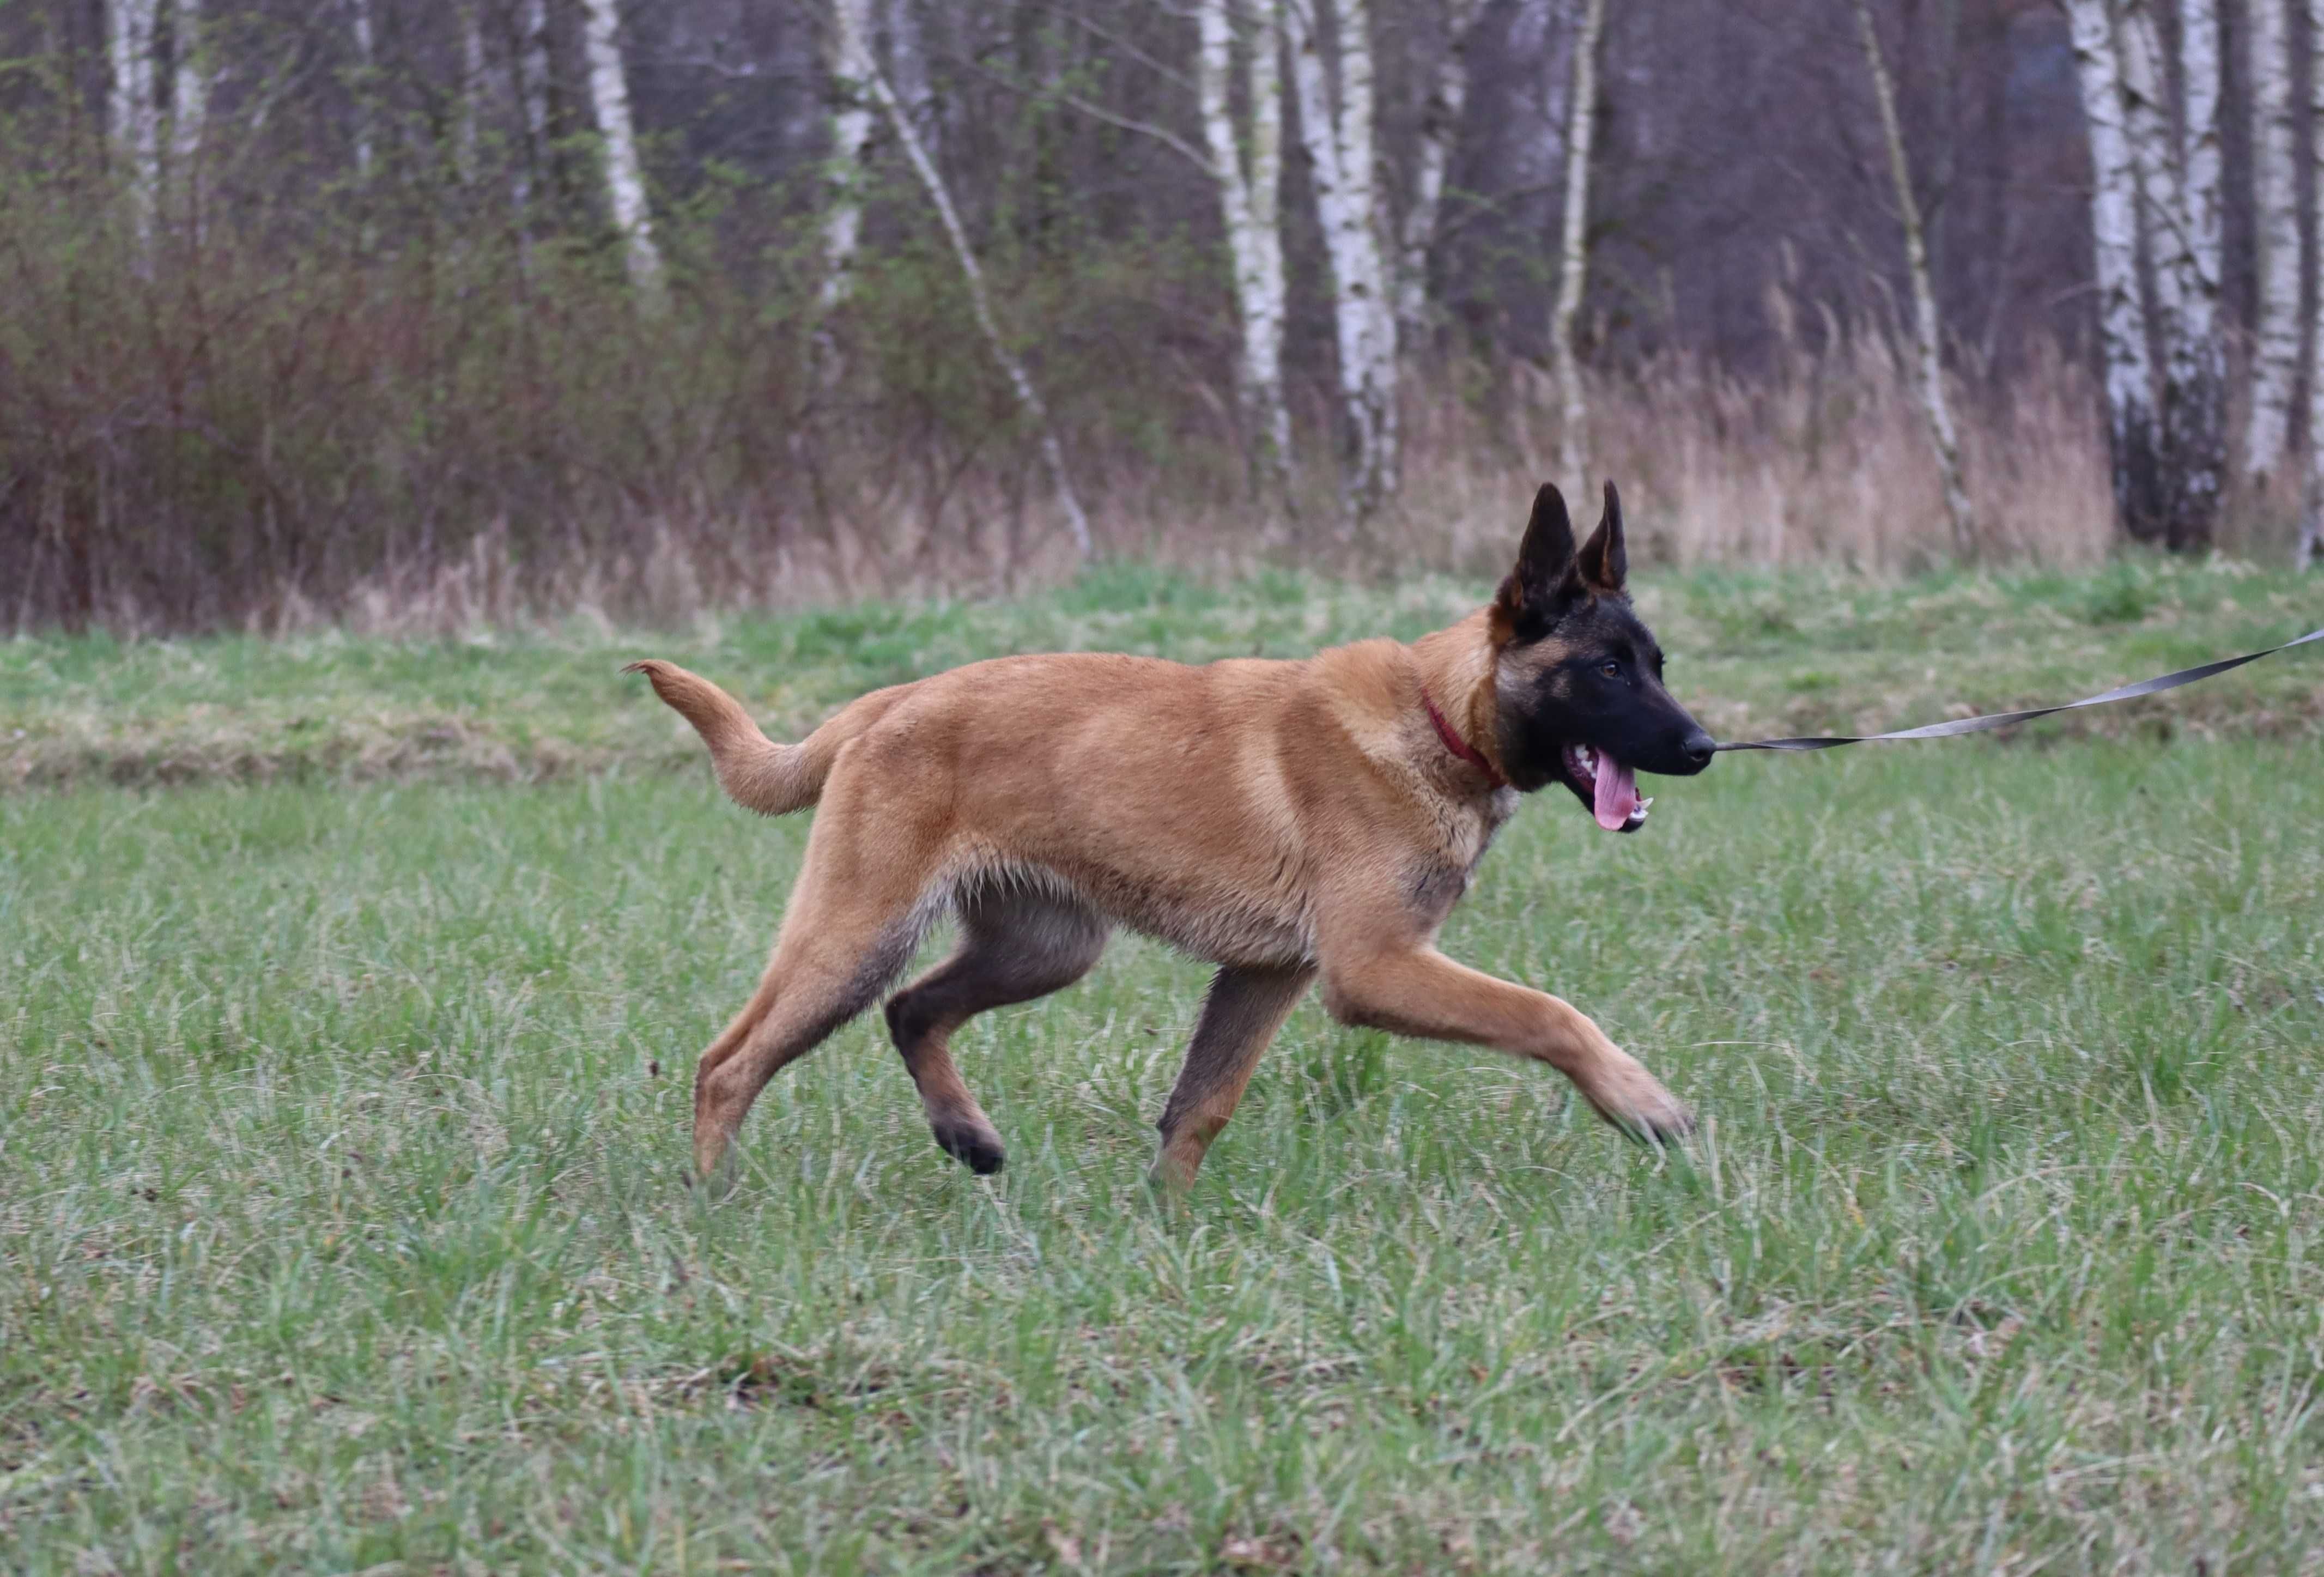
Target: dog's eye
<point>1612,670</point>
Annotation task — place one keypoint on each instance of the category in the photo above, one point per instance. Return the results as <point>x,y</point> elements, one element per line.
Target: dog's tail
<point>757,773</point>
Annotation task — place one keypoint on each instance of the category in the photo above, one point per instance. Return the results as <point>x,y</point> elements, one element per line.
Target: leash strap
<point>2185,676</point>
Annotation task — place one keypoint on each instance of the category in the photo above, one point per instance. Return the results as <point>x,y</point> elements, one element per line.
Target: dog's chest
<point>1444,875</point>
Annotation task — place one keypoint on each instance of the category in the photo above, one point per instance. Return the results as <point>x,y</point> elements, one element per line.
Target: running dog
<point>1288,821</point>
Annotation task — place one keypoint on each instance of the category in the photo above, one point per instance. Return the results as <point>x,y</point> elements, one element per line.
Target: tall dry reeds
<point>239,430</point>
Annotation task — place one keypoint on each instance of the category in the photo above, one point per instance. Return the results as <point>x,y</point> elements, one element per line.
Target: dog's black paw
<point>981,1152</point>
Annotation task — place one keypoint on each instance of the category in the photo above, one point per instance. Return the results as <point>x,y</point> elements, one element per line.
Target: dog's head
<point>1580,677</point>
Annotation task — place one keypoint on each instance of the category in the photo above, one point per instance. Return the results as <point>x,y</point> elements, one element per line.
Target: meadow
<point>350,987</point>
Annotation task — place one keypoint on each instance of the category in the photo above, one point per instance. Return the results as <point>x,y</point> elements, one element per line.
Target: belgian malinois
<point>1288,821</point>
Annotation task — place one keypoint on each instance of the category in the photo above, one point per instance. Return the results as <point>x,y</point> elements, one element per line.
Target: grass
<point>1755,651</point>
<point>342,1224</point>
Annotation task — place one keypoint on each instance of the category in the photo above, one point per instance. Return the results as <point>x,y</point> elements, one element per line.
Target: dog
<point>1291,822</point>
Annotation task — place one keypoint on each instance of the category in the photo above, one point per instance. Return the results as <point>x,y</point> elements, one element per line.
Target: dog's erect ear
<point>1603,563</point>
<point>1545,579</point>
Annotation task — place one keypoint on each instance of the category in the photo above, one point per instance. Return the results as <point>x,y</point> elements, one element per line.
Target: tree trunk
<point>908,60</point>
<point>625,182</point>
<point>1053,453</point>
<point>189,101</point>
<point>2309,550</point>
<point>533,103</point>
<point>2203,419</point>
<point>1928,335</point>
<point>1439,128</point>
<point>1573,251</point>
<point>2182,230</point>
<point>467,150</point>
<point>2276,209</point>
<point>852,68</point>
<point>1339,143</point>
<point>1249,209</point>
<point>135,113</point>
<point>366,66</point>
<point>2133,440</point>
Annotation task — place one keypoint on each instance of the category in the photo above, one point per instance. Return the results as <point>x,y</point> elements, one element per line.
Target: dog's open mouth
<point>1610,788</point>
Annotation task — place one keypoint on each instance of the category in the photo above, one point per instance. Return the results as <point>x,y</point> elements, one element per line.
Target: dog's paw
<point>1634,1100</point>
<point>979,1149</point>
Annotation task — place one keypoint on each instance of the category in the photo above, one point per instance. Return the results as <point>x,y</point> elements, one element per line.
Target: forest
<point>412,314</point>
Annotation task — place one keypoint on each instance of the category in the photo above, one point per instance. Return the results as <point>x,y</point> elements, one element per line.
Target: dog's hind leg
<point>1013,947</point>
<point>1244,1009</point>
<point>860,906</point>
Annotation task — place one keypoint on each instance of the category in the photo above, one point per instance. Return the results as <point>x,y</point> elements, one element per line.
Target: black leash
<point>2185,676</point>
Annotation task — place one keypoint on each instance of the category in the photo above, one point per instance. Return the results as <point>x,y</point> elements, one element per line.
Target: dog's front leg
<point>1244,1009</point>
<point>1417,991</point>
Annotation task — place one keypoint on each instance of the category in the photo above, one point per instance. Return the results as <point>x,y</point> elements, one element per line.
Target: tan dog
<point>1287,821</point>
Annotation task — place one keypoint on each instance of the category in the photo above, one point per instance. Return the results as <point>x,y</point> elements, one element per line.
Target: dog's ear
<point>1546,581</point>
<point>1604,564</point>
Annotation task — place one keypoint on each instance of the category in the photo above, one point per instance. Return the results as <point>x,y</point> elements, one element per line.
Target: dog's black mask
<point>1579,675</point>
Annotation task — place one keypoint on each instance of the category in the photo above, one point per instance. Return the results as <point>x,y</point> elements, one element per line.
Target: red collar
<point>1462,747</point>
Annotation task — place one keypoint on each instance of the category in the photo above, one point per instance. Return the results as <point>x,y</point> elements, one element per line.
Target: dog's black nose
<point>1699,748</point>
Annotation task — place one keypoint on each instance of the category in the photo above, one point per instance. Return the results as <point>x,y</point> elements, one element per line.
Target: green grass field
<point>344,1224</point>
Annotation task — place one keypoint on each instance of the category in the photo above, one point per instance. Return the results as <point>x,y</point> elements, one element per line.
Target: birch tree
<point>532,73</point>
<point>1440,126</point>
<point>2275,210</point>
<point>135,112</point>
<point>2309,549</point>
<point>852,68</point>
<point>1573,250</point>
<point>2131,435</point>
<point>1249,204</point>
<point>1928,335</point>
<point>1020,382</point>
<point>909,74</point>
<point>2180,223</point>
<point>468,149</point>
<point>1337,133</point>
<point>189,95</point>
<point>625,182</point>
<point>366,64</point>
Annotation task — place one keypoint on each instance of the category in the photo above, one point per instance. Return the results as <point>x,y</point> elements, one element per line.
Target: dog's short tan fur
<point>1290,821</point>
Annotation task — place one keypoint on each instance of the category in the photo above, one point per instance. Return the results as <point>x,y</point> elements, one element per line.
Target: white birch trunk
<point>1573,251</point>
<point>1247,208</point>
<point>1339,143</point>
<point>532,99</point>
<point>135,113</point>
<point>1439,128</point>
<point>1928,334</point>
<point>2275,205</point>
<point>2202,165</point>
<point>852,67</point>
<point>2203,427</point>
<point>468,150</point>
<point>907,62</point>
<point>1266,308</point>
<point>1368,236</point>
<point>2179,235</point>
<point>366,63</point>
<point>1053,453</point>
<point>625,182</point>
<point>189,96</point>
<point>2309,549</point>
<point>2131,428</point>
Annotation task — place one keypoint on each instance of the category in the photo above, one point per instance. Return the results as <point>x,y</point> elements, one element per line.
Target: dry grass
<point>1824,463</point>
<point>247,437</point>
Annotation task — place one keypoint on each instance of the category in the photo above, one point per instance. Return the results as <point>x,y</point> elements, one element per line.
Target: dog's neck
<point>1456,668</point>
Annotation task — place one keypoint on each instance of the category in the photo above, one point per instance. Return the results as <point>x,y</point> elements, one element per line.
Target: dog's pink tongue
<point>1618,793</point>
